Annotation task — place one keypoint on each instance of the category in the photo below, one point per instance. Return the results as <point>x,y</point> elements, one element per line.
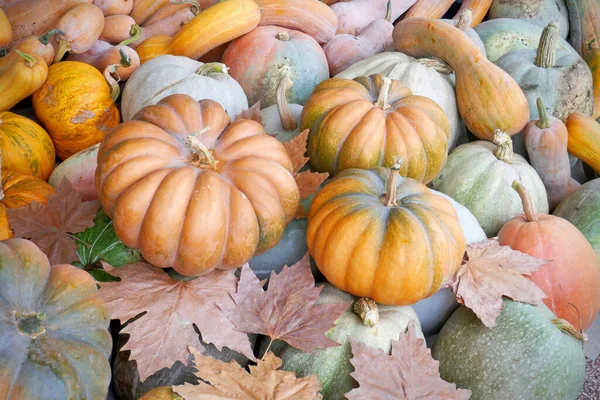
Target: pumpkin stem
<point>504,152</point>
<point>465,20</point>
<point>115,90</point>
<point>63,47</point>
<point>543,122</point>
<point>388,11</point>
<point>31,61</point>
<point>437,64</point>
<point>3,51</point>
<point>287,119</point>
<point>135,32</point>
<point>283,36</point>
<point>212,68</point>
<point>390,197</point>
<point>382,99</point>
<point>194,142</point>
<point>367,310</point>
<point>195,6</point>
<point>125,59</point>
<point>528,205</point>
<point>567,328</point>
<point>546,52</point>
<point>45,38</point>
<point>30,324</point>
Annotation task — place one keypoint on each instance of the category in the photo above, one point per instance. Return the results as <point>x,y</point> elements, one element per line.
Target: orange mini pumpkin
<point>191,190</point>
<point>395,247</point>
<point>367,122</point>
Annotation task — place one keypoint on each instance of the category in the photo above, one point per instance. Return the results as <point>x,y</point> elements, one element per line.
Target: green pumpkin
<point>479,176</point>
<point>582,209</point>
<point>536,12</point>
<point>499,36</point>
<point>529,355</point>
<point>332,364</point>
<point>562,79</point>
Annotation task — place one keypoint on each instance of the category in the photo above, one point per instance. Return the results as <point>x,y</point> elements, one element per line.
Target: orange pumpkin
<point>572,277</point>
<point>75,106</point>
<point>368,121</point>
<point>25,146</point>
<point>395,248</point>
<point>192,191</point>
<point>22,77</point>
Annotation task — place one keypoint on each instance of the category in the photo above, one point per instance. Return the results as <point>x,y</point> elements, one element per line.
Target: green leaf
<point>101,275</point>
<point>100,243</point>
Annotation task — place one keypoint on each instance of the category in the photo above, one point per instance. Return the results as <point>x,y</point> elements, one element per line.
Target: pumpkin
<point>584,139</point>
<point>582,209</point>
<point>378,217</point>
<point>81,26</point>
<point>429,9</point>
<point>143,9</point>
<point>24,76</point>
<point>80,171</point>
<point>355,15</point>
<point>366,122</point>
<point>34,45</point>
<point>6,33</point>
<point>365,322</point>
<point>114,7</point>
<point>423,77</point>
<point>260,59</point>
<point>25,146</point>
<point>282,119</point>
<point>161,393</point>
<point>103,54</point>
<point>571,279</point>
<point>17,191</point>
<point>170,204</point>
<point>166,75</point>
<point>536,12</point>
<point>75,106</point>
<point>506,34</point>
<point>519,358</point>
<point>153,47</point>
<point>214,26</point>
<point>344,50</point>
<point>479,175</point>
<point>316,19</point>
<point>53,332</point>
<point>477,80</point>
<point>117,28</point>
<point>561,78</point>
<point>546,142</point>
<point>479,9</point>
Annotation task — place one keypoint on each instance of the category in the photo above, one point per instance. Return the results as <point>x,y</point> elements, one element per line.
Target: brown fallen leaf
<point>252,113</point>
<point>50,226</point>
<point>409,373</point>
<point>491,271</point>
<point>296,148</point>
<point>162,336</point>
<point>308,182</point>
<point>230,381</point>
<point>286,310</point>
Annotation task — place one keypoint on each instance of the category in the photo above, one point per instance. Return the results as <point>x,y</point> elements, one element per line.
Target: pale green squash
<point>282,119</point>
<point>537,12</point>
<point>528,355</point>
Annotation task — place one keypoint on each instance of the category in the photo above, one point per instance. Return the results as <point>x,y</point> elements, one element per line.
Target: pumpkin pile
<point>433,165</point>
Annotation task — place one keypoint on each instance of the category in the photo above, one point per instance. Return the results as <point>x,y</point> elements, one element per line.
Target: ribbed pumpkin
<point>53,330</point>
<point>25,146</point>
<point>366,122</point>
<point>191,190</point>
<point>572,277</point>
<point>260,59</point>
<point>75,106</point>
<point>479,175</point>
<point>376,235</point>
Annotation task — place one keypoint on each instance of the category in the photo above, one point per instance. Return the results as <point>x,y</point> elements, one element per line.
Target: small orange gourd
<point>22,77</point>
<point>584,139</point>
<point>114,7</point>
<point>143,9</point>
<point>81,26</point>
<point>103,54</point>
<point>33,45</point>
<point>429,9</point>
<point>118,28</point>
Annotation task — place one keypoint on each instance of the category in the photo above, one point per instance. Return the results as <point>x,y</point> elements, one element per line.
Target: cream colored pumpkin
<point>166,75</point>
<point>421,79</point>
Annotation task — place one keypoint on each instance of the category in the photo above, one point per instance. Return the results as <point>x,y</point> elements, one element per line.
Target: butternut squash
<point>168,26</point>
<point>81,27</point>
<point>354,16</point>
<point>32,45</point>
<point>153,47</point>
<point>117,28</point>
<point>214,26</point>
<point>429,9</point>
<point>6,33</point>
<point>309,16</point>
<point>102,54</point>
<point>488,98</point>
<point>21,79</point>
<point>479,8</point>
<point>171,8</point>
<point>143,9</point>
<point>114,7</point>
<point>584,139</point>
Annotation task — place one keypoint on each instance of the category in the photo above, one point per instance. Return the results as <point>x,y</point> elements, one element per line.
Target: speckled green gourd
<point>479,176</point>
<point>525,357</point>
<point>332,365</point>
<point>582,209</point>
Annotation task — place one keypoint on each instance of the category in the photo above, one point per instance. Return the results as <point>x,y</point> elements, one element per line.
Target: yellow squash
<point>21,79</point>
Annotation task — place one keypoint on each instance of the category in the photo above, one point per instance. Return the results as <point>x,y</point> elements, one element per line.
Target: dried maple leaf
<point>296,148</point>
<point>50,227</point>
<point>252,113</point>
<point>308,182</point>
<point>286,310</point>
<point>409,373</point>
<point>492,271</point>
<point>163,335</point>
<point>230,381</point>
